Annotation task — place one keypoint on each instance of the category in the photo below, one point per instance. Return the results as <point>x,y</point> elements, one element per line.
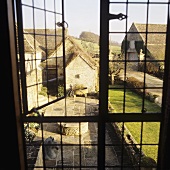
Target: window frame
<point>164,149</point>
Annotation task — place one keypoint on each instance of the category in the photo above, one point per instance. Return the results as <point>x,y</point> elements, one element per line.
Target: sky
<point>84,15</point>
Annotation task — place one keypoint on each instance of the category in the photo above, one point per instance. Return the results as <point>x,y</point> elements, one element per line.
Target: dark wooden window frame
<point>12,115</point>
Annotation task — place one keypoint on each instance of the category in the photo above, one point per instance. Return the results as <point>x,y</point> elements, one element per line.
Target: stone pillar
<point>141,55</point>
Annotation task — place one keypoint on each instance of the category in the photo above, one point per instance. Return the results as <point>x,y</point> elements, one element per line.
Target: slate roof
<point>30,44</point>
<point>74,51</point>
<point>48,38</point>
<point>155,39</point>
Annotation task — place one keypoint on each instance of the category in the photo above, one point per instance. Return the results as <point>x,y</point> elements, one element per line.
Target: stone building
<point>33,56</point>
<point>147,41</point>
<point>47,38</point>
<point>80,67</point>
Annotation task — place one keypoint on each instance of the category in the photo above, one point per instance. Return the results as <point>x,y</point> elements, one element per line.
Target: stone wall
<point>30,62</point>
<point>79,72</point>
<point>33,87</point>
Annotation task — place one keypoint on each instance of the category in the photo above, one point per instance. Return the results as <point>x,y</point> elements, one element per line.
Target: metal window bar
<point>56,72</point>
<point>34,34</point>
<point>103,95</point>
<point>162,151</point>
<point>46,57</point>
<point>21,55</point>
<point>143,101</point>
<point>35,51</point>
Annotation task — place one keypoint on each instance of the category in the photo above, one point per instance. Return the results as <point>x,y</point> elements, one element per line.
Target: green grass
<point>150,135</point>
<point>94,47</point>
<point>150,130</point>
<point>133,103</point>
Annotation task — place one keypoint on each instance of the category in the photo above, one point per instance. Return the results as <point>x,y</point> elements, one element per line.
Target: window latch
<point>117,16</point>
<point>62,24</point>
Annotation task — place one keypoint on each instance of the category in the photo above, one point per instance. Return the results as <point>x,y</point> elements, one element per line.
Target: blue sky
<point>84,15</point>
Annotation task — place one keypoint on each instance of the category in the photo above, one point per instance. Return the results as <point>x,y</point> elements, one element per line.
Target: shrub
<point>135,85</point>
<point>151,69</point>
<point>60,90</point>
<point>29,135</point>
<point>118,81</point>
<point>147,161</point>
<point>30,130</point>
<point>43,91</point>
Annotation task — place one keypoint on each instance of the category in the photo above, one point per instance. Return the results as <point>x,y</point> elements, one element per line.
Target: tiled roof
<point>78,51</point>
<point>48,38</point>
<point>156,33</point>
<point>73,51</point>
<point>30,44</point>
<point>153,36</point>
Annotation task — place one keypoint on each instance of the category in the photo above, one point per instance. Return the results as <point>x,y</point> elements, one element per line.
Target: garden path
<point>89,140</point>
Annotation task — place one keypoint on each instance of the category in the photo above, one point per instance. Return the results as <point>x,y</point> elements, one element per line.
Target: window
<point>102,120</point>
<point>77,76</point>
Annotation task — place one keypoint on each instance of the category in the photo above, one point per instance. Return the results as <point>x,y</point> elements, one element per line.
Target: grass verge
<point>146,133</point>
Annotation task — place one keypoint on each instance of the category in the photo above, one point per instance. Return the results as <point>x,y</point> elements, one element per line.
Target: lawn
<point>133,104</point>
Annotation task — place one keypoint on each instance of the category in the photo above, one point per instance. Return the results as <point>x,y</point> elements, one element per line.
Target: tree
<point>114,67</point>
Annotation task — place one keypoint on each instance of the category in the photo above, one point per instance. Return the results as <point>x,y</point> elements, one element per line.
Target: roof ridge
<point>148,23</point>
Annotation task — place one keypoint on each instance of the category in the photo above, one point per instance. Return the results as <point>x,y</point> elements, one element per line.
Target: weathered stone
<point>76,150</point>
<point>72,128</point>
<point>81,91</point>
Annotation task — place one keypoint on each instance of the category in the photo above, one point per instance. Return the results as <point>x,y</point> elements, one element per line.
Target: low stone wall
<point>81,91</point>
<point>71,129</point>
<point>132,150</point>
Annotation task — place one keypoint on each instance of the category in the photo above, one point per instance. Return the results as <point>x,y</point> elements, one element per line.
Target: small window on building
<point>77,76</point>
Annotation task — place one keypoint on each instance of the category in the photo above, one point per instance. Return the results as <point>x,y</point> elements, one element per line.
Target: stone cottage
<point>47,38</point>
<point>33,56</point>
<point>134,43</point>
<point>33,53</point>
<point>80,67</point>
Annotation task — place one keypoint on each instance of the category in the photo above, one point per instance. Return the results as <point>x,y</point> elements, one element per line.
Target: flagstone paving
<point>77,149</point>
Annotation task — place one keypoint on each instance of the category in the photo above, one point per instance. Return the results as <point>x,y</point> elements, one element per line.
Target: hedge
<point>136,85</point>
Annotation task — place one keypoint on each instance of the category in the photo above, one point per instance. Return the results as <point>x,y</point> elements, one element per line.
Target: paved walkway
<point>151,82</point>
<point>88,140</point>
